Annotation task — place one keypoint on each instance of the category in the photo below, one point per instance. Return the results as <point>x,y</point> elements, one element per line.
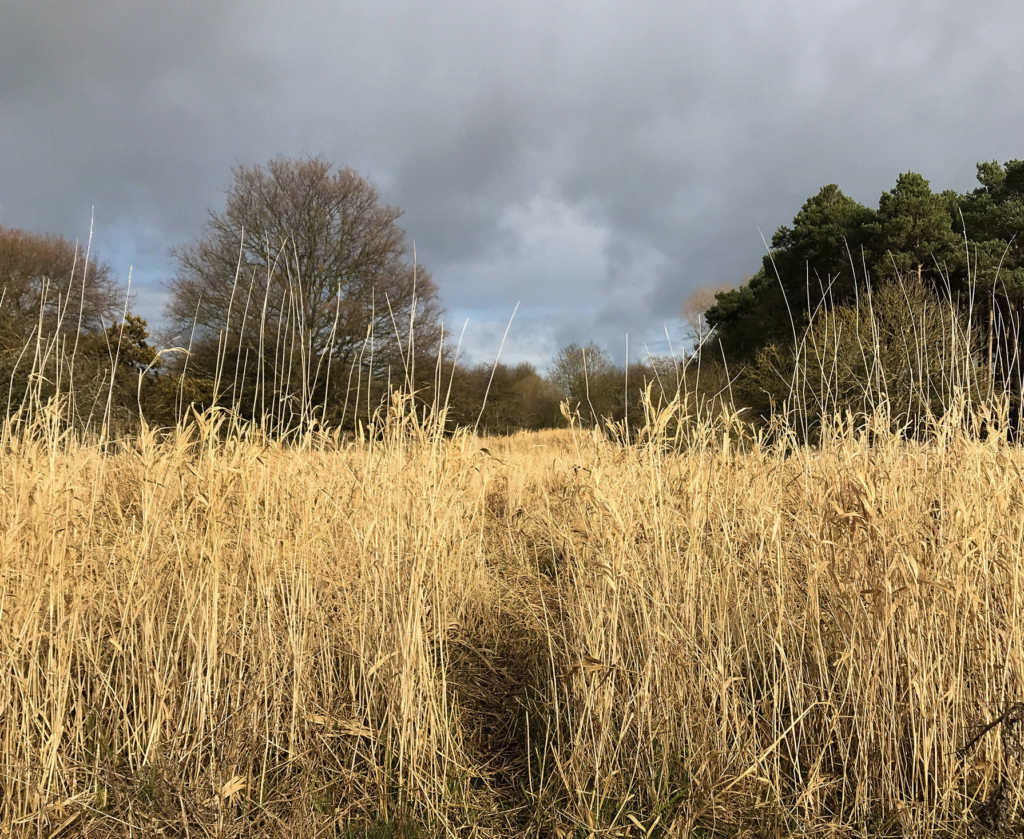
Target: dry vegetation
<point>544,635</point>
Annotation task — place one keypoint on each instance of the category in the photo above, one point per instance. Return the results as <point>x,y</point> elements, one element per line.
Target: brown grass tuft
<point>548,635</point>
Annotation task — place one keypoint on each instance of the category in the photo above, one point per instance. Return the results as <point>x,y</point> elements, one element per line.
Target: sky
<point>595,162</point>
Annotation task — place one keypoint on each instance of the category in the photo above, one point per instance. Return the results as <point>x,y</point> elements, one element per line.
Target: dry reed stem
<point>544,632</point>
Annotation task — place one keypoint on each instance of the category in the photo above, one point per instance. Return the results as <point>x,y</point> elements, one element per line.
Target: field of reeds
<point>215,633</point>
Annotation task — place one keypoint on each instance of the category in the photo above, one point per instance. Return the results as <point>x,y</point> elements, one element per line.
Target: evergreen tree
<point>965,250</point>
<point>816,260</point>
<point>914,233</point>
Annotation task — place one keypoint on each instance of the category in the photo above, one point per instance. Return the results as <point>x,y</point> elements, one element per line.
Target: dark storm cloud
<point>127,107</point>
<point>594,160</point>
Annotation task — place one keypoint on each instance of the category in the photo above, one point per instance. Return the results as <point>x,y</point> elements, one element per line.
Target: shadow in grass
<point>384,829</point>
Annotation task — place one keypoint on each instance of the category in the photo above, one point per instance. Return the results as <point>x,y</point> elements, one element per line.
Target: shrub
<point>900,349</point>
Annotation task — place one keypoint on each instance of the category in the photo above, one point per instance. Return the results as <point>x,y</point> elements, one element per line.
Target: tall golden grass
<point>549,634</point>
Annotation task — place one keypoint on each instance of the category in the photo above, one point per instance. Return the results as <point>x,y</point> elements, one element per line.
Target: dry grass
<point>544,635</point>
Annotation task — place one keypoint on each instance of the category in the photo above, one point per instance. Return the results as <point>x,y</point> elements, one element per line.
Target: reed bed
<point>550,634</point>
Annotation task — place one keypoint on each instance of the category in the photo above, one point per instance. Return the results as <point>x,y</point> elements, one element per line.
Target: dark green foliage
<point>965,252</point>
<point>901,350</point>
<point>109,365</point>
<point>816,259</point>
<point>101,378</point>
<point>994,216</point>
<point>836,243</point>
<point>913,232</point>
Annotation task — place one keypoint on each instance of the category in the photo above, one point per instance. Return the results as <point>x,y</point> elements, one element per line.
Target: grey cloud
<point>596,160</point>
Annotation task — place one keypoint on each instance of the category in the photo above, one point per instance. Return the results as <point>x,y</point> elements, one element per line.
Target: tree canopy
<point>964,245</point>
<point>587,379</point>
<point>305,271</point>
<point>963,252</point>
<point>46,280</point>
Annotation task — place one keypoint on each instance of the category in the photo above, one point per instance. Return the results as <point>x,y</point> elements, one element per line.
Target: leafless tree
<point>49,281</point>
<point>695,327</point>
<point>312,254</point>
<point>587,378</point>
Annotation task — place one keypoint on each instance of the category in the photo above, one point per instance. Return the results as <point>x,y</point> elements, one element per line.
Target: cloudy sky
<point>595,160</point>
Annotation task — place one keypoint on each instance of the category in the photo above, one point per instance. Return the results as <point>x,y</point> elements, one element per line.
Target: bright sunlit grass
<point>547,634</point>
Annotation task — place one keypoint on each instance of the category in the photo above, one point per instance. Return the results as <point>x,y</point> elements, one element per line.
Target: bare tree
<point>587,378</point>
<point>695,326</point>
<point>307,257</point>
<point>47,280</point>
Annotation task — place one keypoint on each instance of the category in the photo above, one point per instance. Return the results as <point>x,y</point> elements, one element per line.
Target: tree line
<point>909,305</point>
<point>301,303</point>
